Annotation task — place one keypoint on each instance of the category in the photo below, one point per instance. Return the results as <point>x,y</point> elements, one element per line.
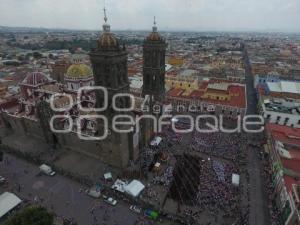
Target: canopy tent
<point>134,188</point>
<point>108,176</point>
<point>119,185</point>
<point>235,179</point>
<point>156,141</point>
<point>8,201</point>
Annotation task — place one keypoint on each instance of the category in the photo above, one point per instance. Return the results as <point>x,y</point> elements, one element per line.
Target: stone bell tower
<point>154,53</point>
<point>109,62</point>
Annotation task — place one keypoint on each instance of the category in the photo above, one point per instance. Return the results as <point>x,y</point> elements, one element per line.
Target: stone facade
<point>154,52</point>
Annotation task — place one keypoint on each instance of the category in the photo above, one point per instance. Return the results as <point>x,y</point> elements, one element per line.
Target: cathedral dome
<point>107,39</point>
<point>35,79</point>
<point>79,71</point>
<point>154,35</point>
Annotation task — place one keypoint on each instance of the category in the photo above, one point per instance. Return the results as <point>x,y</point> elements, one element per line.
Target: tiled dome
<point>154,36</point>
<point>35,79</point>
<point>107,40</point>
<point>79,71</point>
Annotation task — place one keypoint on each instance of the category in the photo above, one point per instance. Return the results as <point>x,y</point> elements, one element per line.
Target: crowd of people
<point>274,211</point>
<point>221,155</point>
<point>226,146</point>
<point>216,190</point>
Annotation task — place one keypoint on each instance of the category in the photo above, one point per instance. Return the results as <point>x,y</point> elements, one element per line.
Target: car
<point>47,170</point>
<point>2,180</point>
<point>135,209</point>
<point>111,201</point>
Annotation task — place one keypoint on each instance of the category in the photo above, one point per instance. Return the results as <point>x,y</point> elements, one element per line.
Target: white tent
<point>119,185</point>
<point>8,201</point>
<point>235,179</point>
<point>108,176</point>
<point>134,188</point>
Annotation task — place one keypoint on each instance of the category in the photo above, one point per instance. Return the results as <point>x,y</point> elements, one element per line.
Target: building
<point>74,129</point>
<point>59,69</point>
<point>214,96</point>
<point>154,68</point>
<point>279,103</point>
<point>283,146</point>
<point>109,62</point>
<point>176,61</point>
<point>78,75</point>
<point>262,79</point>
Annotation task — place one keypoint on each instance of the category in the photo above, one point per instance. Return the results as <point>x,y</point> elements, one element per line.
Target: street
<point>259,214</point>
<point>61,195</point>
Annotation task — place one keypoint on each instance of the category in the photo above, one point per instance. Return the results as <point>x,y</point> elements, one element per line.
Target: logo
<point>128,123</point>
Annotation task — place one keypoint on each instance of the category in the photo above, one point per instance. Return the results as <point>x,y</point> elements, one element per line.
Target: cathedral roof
<point>154,35</point>
<point>35,79</point>
<point>79,71</point>
<point>107,39</point>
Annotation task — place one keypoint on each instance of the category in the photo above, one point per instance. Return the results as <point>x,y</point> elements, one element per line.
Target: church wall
<point>15,124</point>
<point>109,151</point>
<point>33,128</point>
<point>22,126</point>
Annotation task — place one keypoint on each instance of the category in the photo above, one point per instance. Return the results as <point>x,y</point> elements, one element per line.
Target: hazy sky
<point>271,15</point>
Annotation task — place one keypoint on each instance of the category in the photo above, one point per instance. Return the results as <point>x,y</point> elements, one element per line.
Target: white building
<point>281,111</point>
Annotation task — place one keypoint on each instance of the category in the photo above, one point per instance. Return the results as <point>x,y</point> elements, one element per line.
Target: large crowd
<point>221,156</point>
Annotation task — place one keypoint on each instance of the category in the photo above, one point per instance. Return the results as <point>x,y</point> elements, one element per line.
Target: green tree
<point>37,55</point>
<point>31,216</point>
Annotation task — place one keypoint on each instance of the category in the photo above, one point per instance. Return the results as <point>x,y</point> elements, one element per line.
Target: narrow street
<point>259,214</point>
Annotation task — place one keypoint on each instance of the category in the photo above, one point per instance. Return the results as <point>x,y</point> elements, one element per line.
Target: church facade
<point>31,116</point>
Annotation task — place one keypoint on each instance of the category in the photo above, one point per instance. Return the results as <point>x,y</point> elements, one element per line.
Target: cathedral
<point>31,115</point>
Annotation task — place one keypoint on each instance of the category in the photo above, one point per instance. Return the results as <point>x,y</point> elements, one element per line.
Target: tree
<point>31,216</point>
<point>37,55</point>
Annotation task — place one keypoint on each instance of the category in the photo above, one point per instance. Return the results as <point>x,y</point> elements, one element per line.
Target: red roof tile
<point>295,154</point>
<point>235,101</point>
<point>175,92</point>
<point>291,164</point>
<point>289,181</point>
<point>284,134</point>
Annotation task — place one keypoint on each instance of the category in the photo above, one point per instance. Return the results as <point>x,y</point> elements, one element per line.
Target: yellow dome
<point>79,71</point>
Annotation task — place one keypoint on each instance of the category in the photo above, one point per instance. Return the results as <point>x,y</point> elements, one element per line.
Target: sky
<point>188,15</point>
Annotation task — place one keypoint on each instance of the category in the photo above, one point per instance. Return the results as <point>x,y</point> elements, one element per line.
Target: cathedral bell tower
<point>109,63</point>
<point>154,53</point>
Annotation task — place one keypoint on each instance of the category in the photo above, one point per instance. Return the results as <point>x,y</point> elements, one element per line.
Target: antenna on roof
<point>154,29</point>
<point>104,9</point>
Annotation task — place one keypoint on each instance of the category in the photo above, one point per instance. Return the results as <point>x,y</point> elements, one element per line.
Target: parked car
<point>47,170</point>
<point>2,180</point>
<point>94,193</point>
<point>111,201</point>
<point>135,209</point>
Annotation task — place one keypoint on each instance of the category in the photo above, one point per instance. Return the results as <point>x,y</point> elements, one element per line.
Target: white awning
<point>134,188</point>
<point>108,176</point>
<point>8,201</point>
<point>119,185</point>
